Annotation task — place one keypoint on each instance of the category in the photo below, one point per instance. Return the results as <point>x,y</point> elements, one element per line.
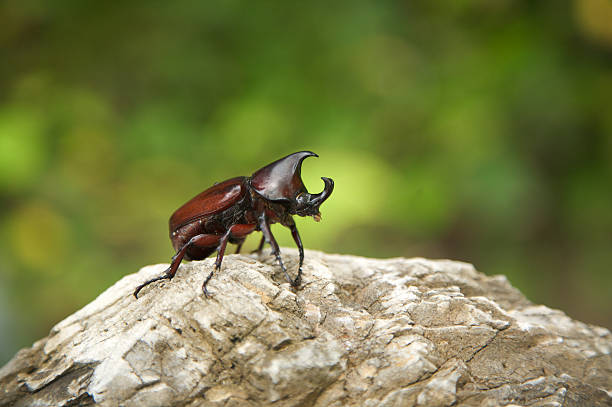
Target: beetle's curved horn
<point>281,180</point>
<point>317,199</point>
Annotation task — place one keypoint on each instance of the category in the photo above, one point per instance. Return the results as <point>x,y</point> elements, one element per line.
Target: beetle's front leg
<point>298,242</point>
<point>269,237</point>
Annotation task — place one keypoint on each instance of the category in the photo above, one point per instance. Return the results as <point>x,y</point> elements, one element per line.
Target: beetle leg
<point>261,245</point>
<point>235,232</point>
<point>206,293</point>
<point>177,258</point>
<point>239,247</point>
<point>269,237</point>
<point>220,253</point>
<point>298,242</point>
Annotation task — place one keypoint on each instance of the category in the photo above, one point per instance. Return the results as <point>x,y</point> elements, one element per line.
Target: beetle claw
<point>204,290</point>
<point>298,279</point>
<point>166,276</point>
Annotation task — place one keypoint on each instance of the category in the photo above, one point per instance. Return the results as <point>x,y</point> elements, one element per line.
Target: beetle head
<point>281,181</point>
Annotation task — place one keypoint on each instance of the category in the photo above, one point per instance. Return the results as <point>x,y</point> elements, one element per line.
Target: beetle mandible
<point>230,210</point>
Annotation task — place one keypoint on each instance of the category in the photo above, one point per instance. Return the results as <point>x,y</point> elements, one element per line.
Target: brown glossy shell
<point>281,180</point>
<point>209,202</point>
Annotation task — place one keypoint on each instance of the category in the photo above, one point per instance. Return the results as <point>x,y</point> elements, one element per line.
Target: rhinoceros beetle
<point>230,210</point>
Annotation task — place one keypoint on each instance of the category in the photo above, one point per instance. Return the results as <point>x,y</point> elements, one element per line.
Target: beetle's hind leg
<point>168,274</point>
<point>198,240</point>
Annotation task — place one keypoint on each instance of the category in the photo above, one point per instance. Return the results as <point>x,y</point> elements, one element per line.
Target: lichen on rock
<point>359,332</point>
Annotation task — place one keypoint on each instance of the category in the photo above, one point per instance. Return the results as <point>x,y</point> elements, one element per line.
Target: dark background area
<point>471,130</point>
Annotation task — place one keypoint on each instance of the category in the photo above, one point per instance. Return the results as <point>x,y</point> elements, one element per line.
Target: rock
<point>360,332</point>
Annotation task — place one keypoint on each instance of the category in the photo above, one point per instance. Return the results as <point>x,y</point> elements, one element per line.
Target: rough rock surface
<point>361,332</point>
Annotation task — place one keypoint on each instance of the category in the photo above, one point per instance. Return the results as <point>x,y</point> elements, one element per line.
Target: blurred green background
<point>474,130</point>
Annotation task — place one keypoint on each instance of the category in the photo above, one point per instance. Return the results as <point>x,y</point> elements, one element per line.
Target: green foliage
<point>470,130</point>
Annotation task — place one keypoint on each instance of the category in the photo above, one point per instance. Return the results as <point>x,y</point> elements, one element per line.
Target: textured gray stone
<point>360,332</point>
